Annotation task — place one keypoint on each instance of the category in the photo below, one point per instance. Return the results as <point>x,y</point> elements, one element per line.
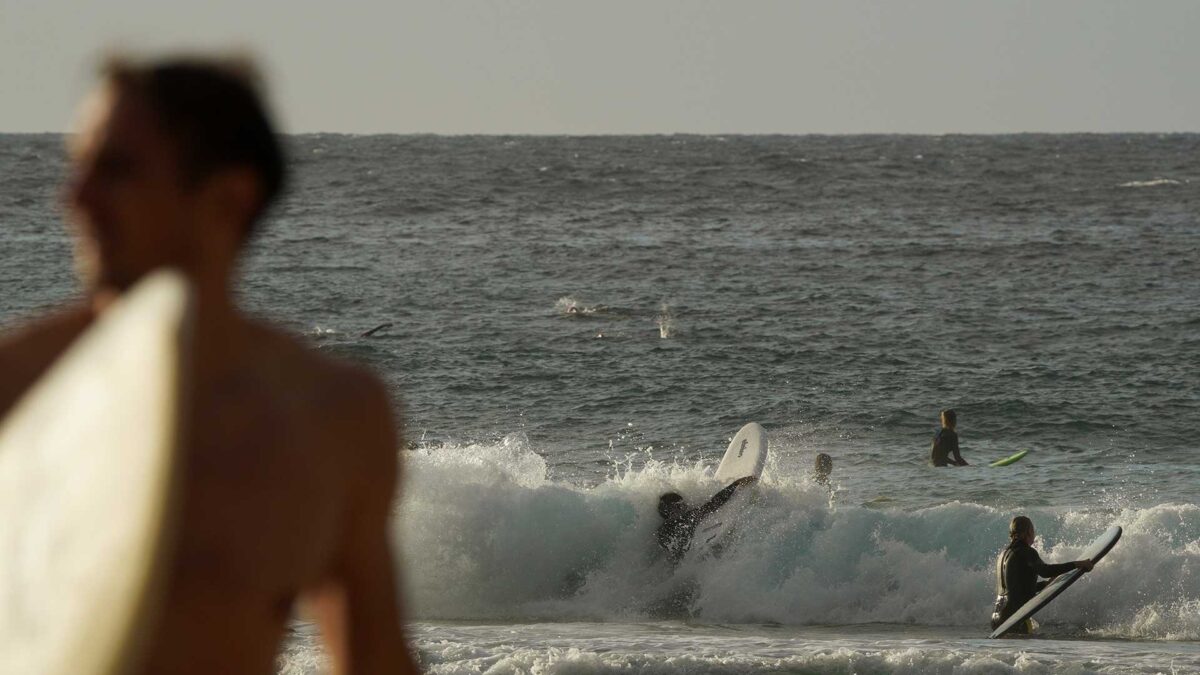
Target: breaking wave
<point>486,535</point>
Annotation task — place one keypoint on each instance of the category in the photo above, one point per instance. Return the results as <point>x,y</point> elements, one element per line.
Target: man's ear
<point>234,195</point>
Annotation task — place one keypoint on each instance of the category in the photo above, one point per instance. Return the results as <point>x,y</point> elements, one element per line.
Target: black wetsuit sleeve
<point>937,454</point>
<point>951,442</point>
<point>717,501</point>
<point>1047,570</point>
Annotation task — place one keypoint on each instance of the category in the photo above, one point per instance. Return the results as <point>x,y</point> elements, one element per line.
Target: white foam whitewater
<point>509,571</point>
<point>1154,182</point>
<point>486,535</point>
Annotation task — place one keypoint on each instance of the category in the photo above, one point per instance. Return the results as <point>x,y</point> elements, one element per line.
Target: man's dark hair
<point>213,110</point>
<point>823,463</point>
<point>667,502</point>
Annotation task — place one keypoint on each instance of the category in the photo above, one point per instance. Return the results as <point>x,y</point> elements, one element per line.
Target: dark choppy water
<point>839,290</point>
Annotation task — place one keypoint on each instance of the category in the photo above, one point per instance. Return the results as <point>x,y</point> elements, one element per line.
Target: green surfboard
<point>1010,460</point>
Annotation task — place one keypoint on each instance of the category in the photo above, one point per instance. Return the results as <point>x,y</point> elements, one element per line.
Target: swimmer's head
<point>949,418</point>
<point>822,467</point>
<point>670,504</point>
<point>1021,528</point>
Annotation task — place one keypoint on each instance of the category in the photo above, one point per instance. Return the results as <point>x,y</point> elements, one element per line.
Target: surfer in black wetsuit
<point>1017,572</point>
<point>680,520</point>
<point>945,443</point>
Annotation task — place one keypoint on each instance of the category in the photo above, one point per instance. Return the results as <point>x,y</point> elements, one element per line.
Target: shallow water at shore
<point>673,647</point>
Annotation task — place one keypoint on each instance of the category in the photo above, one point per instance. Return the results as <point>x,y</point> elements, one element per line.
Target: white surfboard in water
<point>745,456</point>
<point>88,469</point>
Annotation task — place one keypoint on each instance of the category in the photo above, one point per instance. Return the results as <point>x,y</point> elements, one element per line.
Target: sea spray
<point>665,321</point>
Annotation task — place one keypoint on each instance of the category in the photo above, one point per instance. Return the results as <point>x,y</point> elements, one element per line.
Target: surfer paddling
<point>1017,572</point>
<point>290,461</point>
<point>944,451</point>
<point>680,520</point>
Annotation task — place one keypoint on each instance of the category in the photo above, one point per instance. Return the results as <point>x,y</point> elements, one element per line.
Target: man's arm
<point>1050,571</point>
<point>958,460</point>
<point>359,610</point>
<point>723,496</point>
<point>27,352</point>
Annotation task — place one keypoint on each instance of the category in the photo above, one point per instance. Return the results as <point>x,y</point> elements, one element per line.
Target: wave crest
<point>486,534</point>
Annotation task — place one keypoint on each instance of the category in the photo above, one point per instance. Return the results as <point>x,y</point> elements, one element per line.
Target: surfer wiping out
<point>944,451</point>
<point>680,520</point>
<point>1017,572</point>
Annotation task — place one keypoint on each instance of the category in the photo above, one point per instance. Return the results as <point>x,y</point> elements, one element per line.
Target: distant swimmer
<point>822,467</point>
<point>571,307</point>
<point>680,520</point>
<point>945,443</point>
<point>1017,572</point>
<point>376,329</point>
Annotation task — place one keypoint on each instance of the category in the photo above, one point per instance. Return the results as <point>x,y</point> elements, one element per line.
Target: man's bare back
<point>288,489</point>
<point>289,470</point>
<point>290,457</point>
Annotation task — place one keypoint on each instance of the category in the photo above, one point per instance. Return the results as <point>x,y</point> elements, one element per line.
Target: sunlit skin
<point>290,462</point>
<point>126,196</point>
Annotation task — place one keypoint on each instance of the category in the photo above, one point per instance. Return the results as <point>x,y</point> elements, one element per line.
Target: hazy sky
<point>641,66</point>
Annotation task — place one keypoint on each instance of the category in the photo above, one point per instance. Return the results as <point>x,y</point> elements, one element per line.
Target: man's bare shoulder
<point>303,359</point>
<point>353,392</point>
<point>24,333</point>
<point>27,349</point>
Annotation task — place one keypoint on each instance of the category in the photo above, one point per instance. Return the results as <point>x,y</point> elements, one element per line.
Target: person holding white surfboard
<point>289,459</point>
<point>680,520</point>
<point>1017,572</point>
<point>742,464</point>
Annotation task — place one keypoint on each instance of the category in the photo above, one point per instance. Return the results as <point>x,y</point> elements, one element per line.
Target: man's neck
<point>219,334</point>
<point>217,319</point>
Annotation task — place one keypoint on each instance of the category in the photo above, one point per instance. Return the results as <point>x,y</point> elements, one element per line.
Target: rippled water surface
<point>575,325</point>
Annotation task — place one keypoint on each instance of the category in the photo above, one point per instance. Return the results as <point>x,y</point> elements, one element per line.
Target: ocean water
<point>575,325</point>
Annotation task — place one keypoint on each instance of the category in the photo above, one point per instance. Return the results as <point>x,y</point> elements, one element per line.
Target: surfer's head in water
<point>822,467</point>
<point>670,504</point>
<point>1021,529</point>
<point>949,419</point>
<point>174,163</point>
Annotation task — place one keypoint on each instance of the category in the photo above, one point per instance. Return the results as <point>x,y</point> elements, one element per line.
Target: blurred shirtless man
<point>291,460</point>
